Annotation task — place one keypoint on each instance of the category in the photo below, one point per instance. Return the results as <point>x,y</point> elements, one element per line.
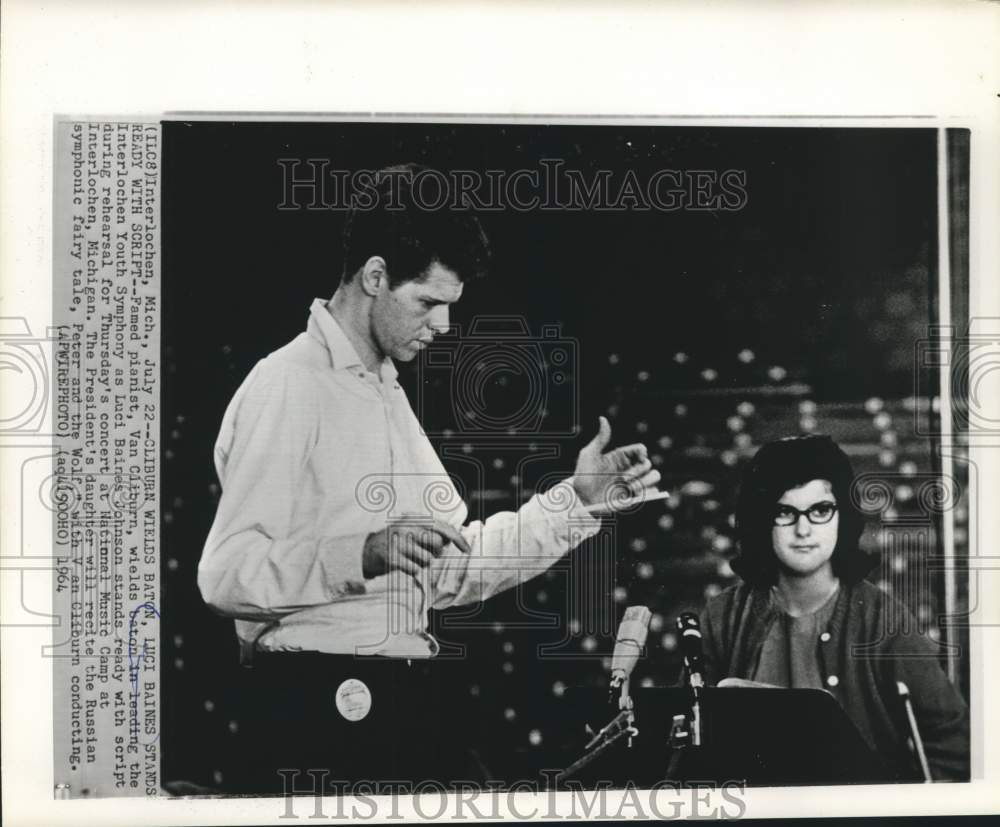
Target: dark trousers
<point>289,724</point>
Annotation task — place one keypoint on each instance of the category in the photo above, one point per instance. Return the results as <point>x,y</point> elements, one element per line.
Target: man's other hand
<point>612,477</point>
<point>408,544</point>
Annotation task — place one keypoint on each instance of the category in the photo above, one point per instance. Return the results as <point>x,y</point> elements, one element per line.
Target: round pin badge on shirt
<point>354,699</point>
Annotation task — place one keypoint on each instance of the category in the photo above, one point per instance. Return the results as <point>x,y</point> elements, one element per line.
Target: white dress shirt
<point>314,454</point>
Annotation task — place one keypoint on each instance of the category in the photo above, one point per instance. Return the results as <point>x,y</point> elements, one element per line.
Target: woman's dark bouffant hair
<point>776,468</point>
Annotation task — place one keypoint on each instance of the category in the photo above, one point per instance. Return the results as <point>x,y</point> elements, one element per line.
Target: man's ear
<point>373,275</point>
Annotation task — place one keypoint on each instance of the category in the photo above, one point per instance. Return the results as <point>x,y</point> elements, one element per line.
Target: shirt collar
<point>327,330</point>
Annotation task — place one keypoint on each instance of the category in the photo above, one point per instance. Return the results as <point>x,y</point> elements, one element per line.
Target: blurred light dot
<point>509,713</point>
<point>172,563</point>
<point>179,664</point>
<point>890,513</point>
<point>936,404</point>
<point>722,543</point>
<point>498,464</point>
<point>745,409</point>
<point>882,420</point>
<point>711,590</point>
<point>656,622</point>
<point>613,359</point>
<point>508,647</point>
<point>731,519</point>
<point>735,423</point>
<point>175,434</point>
<point>213,488</point>
<point>643,375</point>
<point>729,458</point>
<point>534,737</point>
<point>447,433</point>
<point>680,357</point>
<point>886,458</point>
<point>709,374</point>
<point>233,727</point>
<point>168,454</point>
<point>217,776</point>
<point>558,689</point>
<point>665,442</point>
<point>209,706</point>
<point>680,411</point>
<point>710,505</point>
<point>168,518</point>
<point>508,667</point>
<point>807,424</point>
<point>697,488</point>
<point>474,690</point>
<point>606,664</point>
<point>497,627</point>
<point>620,594</point>
<point>743,441</point>
<point>884,585</point>
<point>612,411</point>
<point>178,640</point>
<point>515,480</point>
<point>874,405</point>
<point>724,569</point>
<point>904,493</point>
<point>647,683</point>
<point>542,596</point>
<point>574,626</point>
<point>934,633</point>
<point>466,448</point>
<point>889,439</point>
<point>746,356</point>
<point>961,535</point>
<point>532,447</point>
<point>807,406</point>
<point>898,564</point>
<point>657,460</point>
<point>588,644</point>
<point>638,544</point>
<point>776,373</point>
<point>924,612</point>
<point>641,427</point>
<point>908,468</point>
<point>645,571</point>
<point>666,522</point>
<point>669,641</point>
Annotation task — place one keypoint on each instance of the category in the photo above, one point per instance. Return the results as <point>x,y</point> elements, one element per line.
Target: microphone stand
<point>621,726</point>
<point>685,730</point>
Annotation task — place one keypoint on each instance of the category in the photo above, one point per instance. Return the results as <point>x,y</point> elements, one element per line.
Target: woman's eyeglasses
<point>817,514</point>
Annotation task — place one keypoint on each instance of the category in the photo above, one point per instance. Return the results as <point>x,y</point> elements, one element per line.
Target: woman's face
<point>804,548</point>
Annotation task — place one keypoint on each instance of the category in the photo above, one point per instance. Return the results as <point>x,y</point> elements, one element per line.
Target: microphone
<point>631,638</point>
<point>689,630</point>
<point>918,744</point>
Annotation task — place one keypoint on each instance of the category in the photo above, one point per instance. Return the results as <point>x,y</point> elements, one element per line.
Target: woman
<point>804,617</point>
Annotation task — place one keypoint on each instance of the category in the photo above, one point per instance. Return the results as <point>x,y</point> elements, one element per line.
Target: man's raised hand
<point>614,477</point>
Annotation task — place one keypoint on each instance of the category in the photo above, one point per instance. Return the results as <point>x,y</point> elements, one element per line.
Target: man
<point>338,527</point>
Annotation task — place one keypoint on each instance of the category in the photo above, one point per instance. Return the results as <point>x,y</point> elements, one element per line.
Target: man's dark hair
<point>409,236</point>
<point>776,468</point>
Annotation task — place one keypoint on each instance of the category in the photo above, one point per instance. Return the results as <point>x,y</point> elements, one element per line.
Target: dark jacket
<point>871,643</point>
